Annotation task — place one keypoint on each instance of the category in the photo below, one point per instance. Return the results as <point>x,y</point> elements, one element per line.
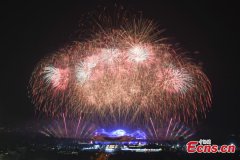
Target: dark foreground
<point>15,147</point>
<point>43,155</point>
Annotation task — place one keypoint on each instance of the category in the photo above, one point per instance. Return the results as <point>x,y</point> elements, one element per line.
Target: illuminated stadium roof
<point>119,135</point>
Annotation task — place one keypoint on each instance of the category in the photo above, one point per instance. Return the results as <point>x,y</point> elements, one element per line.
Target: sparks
<point>57,77</point>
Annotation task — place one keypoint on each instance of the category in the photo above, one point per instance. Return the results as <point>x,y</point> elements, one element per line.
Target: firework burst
<point>50,84</point>
<point>57,77</point>
<point>123,73</point>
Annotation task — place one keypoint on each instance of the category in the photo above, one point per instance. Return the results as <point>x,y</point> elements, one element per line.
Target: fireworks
<point>83,72</point>
<point>173,131</point>
<point>175,80</point>
<point>57,77</point>
<point>138,54</point>
<point>50,84</point>
<point>124,74</point>
<point>69,127</point>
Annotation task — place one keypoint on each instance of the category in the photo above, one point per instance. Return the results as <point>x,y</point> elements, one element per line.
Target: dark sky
<point>32,30</point>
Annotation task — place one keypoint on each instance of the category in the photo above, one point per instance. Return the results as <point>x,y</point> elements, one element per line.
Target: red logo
<point>205,146</point>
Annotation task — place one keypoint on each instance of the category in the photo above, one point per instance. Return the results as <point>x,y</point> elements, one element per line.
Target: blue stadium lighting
<point>138,134</point>
<point>118,133</point>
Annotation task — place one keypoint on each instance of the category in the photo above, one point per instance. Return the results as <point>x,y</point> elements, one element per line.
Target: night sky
<point>207,30</point>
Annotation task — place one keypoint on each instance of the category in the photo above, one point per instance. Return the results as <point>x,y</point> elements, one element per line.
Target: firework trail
<point>168,127</point>
<point>173,131</point>
<point>79,121</point>
<point>65,125</point>
<point>68,127</point>
<point>123,73</point>
<point>153,126</point>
